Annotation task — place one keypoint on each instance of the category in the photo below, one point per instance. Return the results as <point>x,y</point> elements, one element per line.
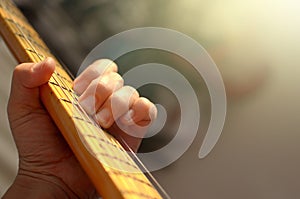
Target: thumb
<point>27,78</point>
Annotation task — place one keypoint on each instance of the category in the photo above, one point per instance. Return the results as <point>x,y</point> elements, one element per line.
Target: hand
<point>114,106</point>
<point>47,166</point>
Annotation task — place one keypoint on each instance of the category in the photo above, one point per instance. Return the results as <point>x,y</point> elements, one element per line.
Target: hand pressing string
<point>47,166</point>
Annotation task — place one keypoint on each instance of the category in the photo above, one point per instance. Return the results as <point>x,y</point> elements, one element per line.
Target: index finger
<point>96,69</point>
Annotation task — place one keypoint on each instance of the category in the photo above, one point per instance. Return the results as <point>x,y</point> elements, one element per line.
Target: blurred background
<point>256,47</point>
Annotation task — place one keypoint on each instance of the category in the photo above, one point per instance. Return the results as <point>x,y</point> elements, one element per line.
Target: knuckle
<point>131,91</point>
<point>143,105</point>
<point>118,81</point>
<point>19,68</point>
<point>118,100</point>
<point>107,64</point>
<point>144,101</point>
<point>103,87</point>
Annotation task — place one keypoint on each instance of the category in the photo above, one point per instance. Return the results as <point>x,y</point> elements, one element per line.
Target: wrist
<point>38,186</point>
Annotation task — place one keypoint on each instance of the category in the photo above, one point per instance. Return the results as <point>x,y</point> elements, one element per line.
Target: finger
<point>135,123</point>
<point>30,75</point>
<point>116,105</point>
<point>27,77</point>
<point>141,113</point>
<point>95,70</point>
<point>99,90</point>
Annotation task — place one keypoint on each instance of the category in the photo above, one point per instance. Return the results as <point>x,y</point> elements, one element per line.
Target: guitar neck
<point>111,169</point>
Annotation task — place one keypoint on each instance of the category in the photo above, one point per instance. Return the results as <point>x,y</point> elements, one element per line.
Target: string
<point>144,167</point>
<point>74,98</point>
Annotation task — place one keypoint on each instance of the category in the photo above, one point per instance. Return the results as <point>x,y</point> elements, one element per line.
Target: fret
<point>84,120</point>
<point>42,57</point>
<point>11,9</point>
<point>28,35</point>
<point>64,92</point>
<point>32,41</point>
<point>58,90</point>
<point>138,178</point>
<point>99,139</point>
<point>109,153</point>
<point>68,101</point>
<point>27,30</point>
<point>65,78</point>
<point>37,48</point>
<point>94,132</point>
<point>136,194</point>
<point>31,48</point>
<point>118,161</point>
<point>64,75</point>
<point>63,87</point>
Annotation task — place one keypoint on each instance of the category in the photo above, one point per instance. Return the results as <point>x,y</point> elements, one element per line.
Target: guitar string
<point>80,110</point>
<point>33,48</point>
<point>163,191</point>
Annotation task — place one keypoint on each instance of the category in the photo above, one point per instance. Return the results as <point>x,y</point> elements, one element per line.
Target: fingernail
<point>88,104</point>
<point>128,117</point>
<point>103,117</point>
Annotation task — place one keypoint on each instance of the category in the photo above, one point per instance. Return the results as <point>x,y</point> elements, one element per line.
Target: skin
<point>47,166</point>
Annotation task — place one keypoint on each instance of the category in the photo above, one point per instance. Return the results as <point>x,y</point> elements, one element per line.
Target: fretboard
<point>112,170</point>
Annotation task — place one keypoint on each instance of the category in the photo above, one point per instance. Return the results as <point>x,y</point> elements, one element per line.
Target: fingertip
<point>153,112</point>
<point>45,66</point>
<point>38,74</point>
<point>27,77</point>
<point>142,113</point>
<point>127,118</point>
<point>79,86</point>
<point>144,109</point>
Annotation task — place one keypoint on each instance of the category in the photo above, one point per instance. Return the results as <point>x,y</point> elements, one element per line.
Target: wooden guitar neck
<point>111,169</point>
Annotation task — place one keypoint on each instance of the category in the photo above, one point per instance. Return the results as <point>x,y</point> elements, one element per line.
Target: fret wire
<point>21,37</point>
<point>54,83</point>
<point>11,10</point>
<point>145,169</point>
<point>33,42</point>
<point>63,77</point>
<point>127,157</point>
<point>123,153</point>
<point>115,172</point>
<point>106,149</point>
<point>19,30</point>
<point>26,30</point>
<point>139,194</point>
<point>131,160</point>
